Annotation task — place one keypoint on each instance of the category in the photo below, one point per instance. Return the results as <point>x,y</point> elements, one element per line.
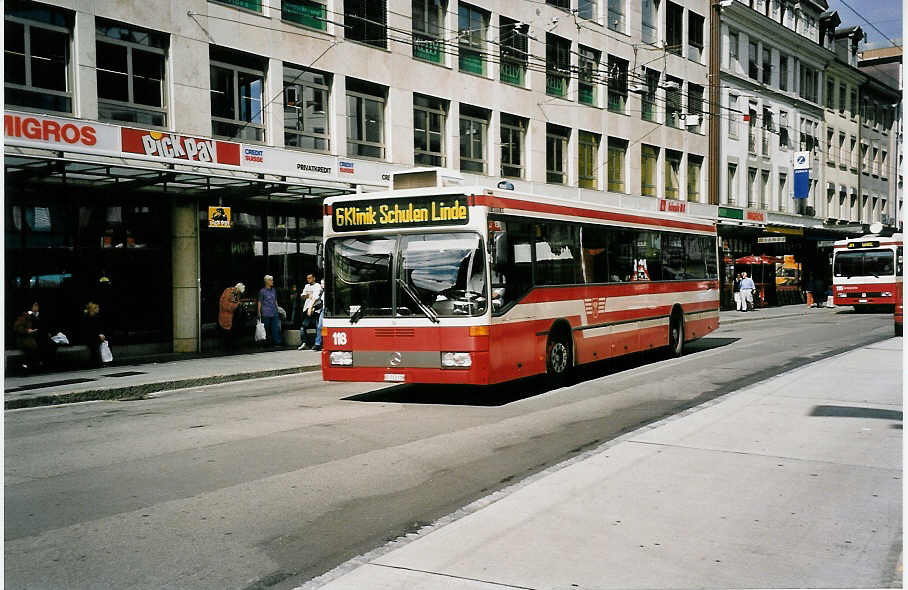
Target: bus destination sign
<point>873,244</point>
<point>395,213</point>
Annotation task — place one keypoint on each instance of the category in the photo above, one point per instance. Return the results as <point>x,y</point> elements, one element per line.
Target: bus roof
<point>893,240</point>
<point>509,199</point>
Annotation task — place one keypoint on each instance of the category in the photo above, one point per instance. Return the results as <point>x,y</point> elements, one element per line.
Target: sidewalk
<point>134,380</point>
<point>793,482</point>
<point>130,380</point>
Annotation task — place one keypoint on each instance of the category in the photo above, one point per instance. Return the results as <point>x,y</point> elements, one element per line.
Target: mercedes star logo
<point>395,359</point>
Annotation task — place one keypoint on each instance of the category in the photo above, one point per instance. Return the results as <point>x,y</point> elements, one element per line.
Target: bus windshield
<point>435,275</point>
<point>864,263</point>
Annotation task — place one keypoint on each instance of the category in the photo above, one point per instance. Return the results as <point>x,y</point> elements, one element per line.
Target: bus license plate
<point>394,377</point>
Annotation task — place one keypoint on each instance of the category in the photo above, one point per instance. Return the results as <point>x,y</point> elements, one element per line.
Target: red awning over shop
<point>759,260</point>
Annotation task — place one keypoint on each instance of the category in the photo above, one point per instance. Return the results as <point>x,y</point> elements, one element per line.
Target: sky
<point>886,15</point>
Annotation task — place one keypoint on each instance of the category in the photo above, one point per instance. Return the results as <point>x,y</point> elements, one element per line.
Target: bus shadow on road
<point>513,391</point>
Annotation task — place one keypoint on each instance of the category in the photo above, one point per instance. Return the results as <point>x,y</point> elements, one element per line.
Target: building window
<point>830,93</point>
<point>130,72</point>
<point>428,22</point>
<point>617,84</point>
<point>237,83</point>
<point>767,129</point>
<point>694,36</point>
<point>429,130</point>
<point>588,76</point>
<point>752,129</point>
<point>694,119</point>
<point>732,180</point>
<point>694,165</point>
<point>673,102</point>
<point>783,130</point>
<point>853,152</point>
<point>306,109</point>
<point>562,4</point>
<point>471,29</point>
<point>884,164</point>
<point>513,51</point>
<point>649,161</point>
<point>809,79</point>
<point>616,15</point>
<point>830,147</point>
<point>366,21</point>
<point>751,181</point>
<point>767,65</point>
<point>733,116</point>
<point>733,51</point>
<point>672,174</point>
<point>853,103</point>
<point>752,69</point>
<point>649,32</point>
<point>365,119</point>
<point>305,12</point>
<point>513,131</point>
<point>36,57</point>
<point>474,124</point>
<point>843,155</point>
<point>557,65</point>
<point>783,73</point>
<point>764,190</point>
<point>588,160</point>
<point>674,24</point>
<point>783,190</point>
<point>843,96</point>
<point>556,140</point>
<point>617,156</point>
<point>648,99</point>
<point>588,9</point>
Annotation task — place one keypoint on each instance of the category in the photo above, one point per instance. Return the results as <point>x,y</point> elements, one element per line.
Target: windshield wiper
<point>358,314</point>
<point>425,309</point>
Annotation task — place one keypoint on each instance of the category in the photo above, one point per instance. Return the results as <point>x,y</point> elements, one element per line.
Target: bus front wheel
<point>676,335</point>
<point>559,357</point>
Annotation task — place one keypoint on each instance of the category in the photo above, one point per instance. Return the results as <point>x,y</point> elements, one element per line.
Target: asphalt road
<point>267,483</point>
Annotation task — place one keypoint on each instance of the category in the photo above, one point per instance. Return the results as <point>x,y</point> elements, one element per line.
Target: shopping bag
<point>60,338</point>
<point>106,355</point>
<point>259,331</point>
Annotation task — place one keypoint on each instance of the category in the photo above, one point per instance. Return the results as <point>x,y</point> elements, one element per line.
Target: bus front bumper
<point>387,372</point>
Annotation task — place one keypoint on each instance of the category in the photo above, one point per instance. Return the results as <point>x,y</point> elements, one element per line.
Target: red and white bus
<point>865,271</point>
<point>479,286</point>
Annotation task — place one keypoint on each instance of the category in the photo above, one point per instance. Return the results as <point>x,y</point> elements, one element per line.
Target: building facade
<point>126,123</point>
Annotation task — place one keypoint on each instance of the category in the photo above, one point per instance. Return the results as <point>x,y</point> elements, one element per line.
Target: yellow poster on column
<point>219,217</point>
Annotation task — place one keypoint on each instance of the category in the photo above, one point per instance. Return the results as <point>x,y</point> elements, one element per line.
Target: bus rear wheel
<point>676,335</point>
<point>559,358</point>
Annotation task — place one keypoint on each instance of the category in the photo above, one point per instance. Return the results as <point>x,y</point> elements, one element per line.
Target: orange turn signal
<point>479,330</point>
<point>324,332</point>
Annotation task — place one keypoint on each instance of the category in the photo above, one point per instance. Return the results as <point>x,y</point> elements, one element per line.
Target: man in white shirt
<point>747,291</point>
<point>312,292</point>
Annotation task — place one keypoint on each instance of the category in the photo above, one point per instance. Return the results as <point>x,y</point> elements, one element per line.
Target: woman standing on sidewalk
<point>230,300</point>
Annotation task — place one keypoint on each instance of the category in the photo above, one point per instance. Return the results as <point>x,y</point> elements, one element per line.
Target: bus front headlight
<point>456,360</point>
<point>342,357</point>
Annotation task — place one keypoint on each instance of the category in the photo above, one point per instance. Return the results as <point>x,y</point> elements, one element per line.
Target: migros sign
<point>48,130</point>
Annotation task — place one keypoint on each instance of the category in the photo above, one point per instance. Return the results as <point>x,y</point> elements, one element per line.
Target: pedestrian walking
<point>747,291</point>
<point>26,339</point>
<point>321,317</point>
<point>93,332</point>
<point>296,308</point>
<point>230,300</point>
<point>736,288</point>
<point>312,293</point>
<point>268,314</point>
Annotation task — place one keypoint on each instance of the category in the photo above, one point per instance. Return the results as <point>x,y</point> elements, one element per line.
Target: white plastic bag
<point>60,338</point>
<point>259,331</point>
<point>106,355</point>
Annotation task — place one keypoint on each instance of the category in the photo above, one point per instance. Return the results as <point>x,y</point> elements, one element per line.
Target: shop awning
<point>758,260</point>
<point>120,174</point>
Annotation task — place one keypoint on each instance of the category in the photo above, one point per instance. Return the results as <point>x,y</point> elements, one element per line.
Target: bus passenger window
<point>595,258</point>
<point>622,254</point>
<point>558,254</point>
<point>673,257</point>
<point>649,256</point>
<point>512,266</point>
<point>696,258</point>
